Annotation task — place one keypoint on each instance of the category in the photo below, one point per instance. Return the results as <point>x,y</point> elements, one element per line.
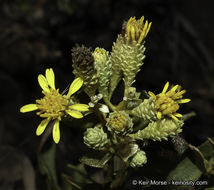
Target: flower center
<point>118,122</point>
<point>52,105</point>
<point>166,105</point>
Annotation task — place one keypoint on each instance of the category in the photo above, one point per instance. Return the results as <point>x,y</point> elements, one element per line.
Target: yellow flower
<point>167,102</point>
<point>53,106</point>
<point>137,30</point>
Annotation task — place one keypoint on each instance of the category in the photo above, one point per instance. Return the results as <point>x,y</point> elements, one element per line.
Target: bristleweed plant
<point>98,72</point>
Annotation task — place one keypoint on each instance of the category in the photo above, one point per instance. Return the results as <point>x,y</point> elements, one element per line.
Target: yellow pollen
<point>166,105</point>
<point>118,121</point>
<point>52,105</point>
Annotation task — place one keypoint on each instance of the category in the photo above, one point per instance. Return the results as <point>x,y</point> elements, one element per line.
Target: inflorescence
<point>99,72</point>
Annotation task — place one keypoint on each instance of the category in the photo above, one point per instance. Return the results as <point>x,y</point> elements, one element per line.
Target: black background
<point>35,35</point>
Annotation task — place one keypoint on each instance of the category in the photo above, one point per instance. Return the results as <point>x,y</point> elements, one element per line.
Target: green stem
<point>126,90</point>
<point>109,104</point>
<point>121,105</point>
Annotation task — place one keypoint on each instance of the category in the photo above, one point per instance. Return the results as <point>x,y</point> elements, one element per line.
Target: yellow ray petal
<point>132,31</point>
<point>174,88</point>
<point>75,85</point>
<point>148,28</point>
<point>151,94</point>
<point>50,78</point>
<point>178,115</point>
<point>79,107</point>
<point>166,86</point>
<point>74,114</point>
<point>159,115</point>
<point>40,129</point>
<point>28,107</point>
<point>179,94</point>
<point>56,132</point>
<point>173,117</point>
<point>43,83</point>
<point>141,20</point>
<point>182,101</point>
<point>142,35</point>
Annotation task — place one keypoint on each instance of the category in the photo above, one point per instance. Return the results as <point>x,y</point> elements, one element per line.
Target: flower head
<point>53,106</point>
<point>100,55</point>
<point>103,67</point>
<point>167,102</point>
<point>95,138</point>
<point>159,130</point>
<point>119,122</point>
<point>139,159</point>
<point>83,64</point>
<point>137,30</point>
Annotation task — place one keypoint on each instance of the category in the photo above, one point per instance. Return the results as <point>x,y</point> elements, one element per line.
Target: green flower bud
<point>116,64</point>
<point>139,159</point>
<point>146,110</point>
<point>126,56</point>
<point>103,67</point>
<point>128,52</point>
<point>95,138</point>
<point>133,60</point>
<point>159,130</point>
<point>119,122</point>
<point>83,64</point>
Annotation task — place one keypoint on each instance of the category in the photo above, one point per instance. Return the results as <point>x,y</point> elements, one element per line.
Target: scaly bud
<point>159,130</point>
<point>83,64</point>
<point>139,159</point>
<point>146,110</point>
<point>95,138</point>
<point>103,67</point>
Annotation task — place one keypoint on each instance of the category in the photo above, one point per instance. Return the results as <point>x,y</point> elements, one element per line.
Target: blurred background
<point>38,34</point>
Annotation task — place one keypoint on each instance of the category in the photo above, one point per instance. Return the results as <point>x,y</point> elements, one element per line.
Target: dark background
<point>35,35</point>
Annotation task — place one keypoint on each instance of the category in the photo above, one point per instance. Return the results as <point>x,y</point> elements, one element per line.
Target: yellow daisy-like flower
<point>137,30</point>
<point>53,106</point>
<point>167,102</point>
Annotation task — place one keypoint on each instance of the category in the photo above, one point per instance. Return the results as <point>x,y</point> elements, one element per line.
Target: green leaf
<point>199,158</point>
<point>96,162</point>
<point>46,162</point>
<point>78,179</point>
<point>204,156</point>
<point>69,183</point>
<point>118,164</point>
<point>79,173</point>
<point>127,150</point>
<point>186,170</point>
<point>211,141</point>
<point>207,148</point>
<point>210,166</point>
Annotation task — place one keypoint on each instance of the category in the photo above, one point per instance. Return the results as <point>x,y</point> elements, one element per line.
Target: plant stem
<point>109,104</point>
<point>121,105</point>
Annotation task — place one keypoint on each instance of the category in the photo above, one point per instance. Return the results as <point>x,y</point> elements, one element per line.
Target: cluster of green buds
<point>121,126</point>
<point>134,118</point>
